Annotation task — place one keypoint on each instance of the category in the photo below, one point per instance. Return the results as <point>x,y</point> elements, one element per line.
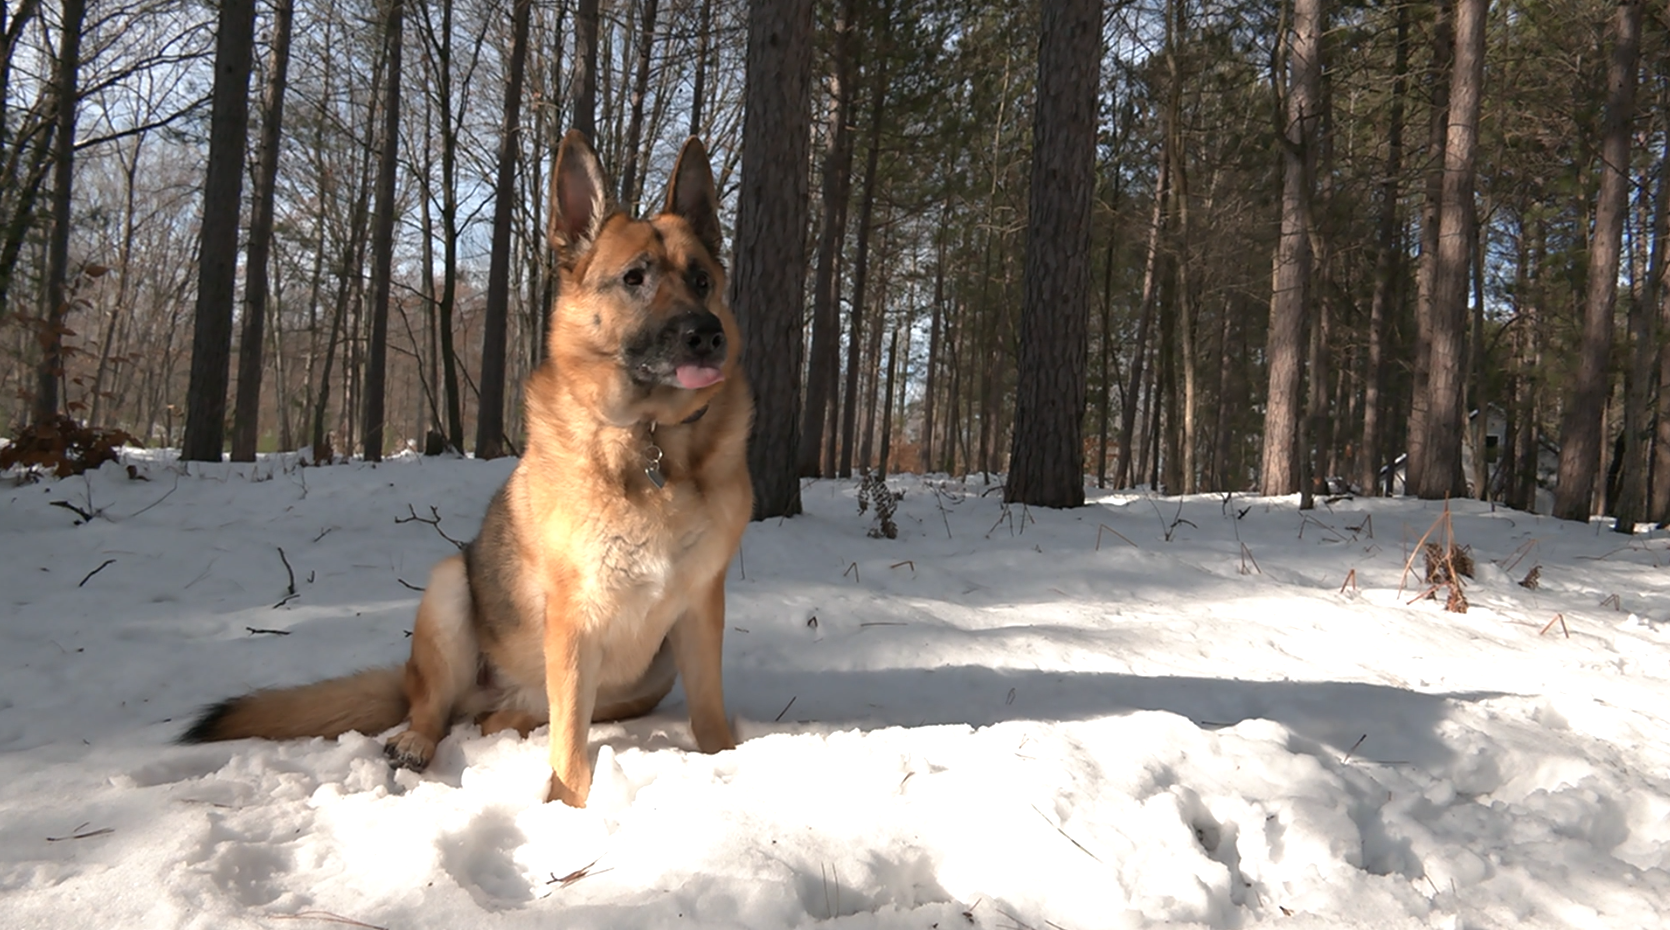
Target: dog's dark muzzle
<point>687,351</point>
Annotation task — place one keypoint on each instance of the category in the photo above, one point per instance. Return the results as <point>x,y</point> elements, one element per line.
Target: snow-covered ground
<point>1144,712</point>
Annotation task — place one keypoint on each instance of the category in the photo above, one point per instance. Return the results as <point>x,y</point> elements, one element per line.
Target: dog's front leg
<point>572,661</point>
<point>698,642</point>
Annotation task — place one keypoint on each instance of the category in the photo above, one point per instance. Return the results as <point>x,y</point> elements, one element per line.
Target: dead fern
<point>873,491</point>
<point>63,447</point>
<point>1444,565</point>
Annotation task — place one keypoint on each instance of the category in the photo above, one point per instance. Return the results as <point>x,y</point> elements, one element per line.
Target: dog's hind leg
<point>443,666</point>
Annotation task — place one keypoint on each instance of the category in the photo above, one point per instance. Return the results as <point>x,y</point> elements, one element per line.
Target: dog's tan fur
<point>588,585</point>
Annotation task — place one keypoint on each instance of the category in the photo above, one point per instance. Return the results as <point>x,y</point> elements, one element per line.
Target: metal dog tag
<point>652,467</point>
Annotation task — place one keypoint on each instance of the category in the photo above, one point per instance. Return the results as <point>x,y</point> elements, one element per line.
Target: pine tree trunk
<point>1290,290</point>
<point>211,354</point>
<point>1580,429</point>
<point>246,413</point>
<point>861,261</point>
<point>1633,501</point>
<point>936,328</point>
<point>1443,64</point>
<point>382,238</point>
<point>1388,265</point>
<point>1438,474</point>
<point>825,358</point>
<point>1656,296</point>
<point>1046,459</point>
<point>66,81</point>
<point>489,437</point>
<point>1122,476</point>
<point>887,405</point>
<point>769,286</point>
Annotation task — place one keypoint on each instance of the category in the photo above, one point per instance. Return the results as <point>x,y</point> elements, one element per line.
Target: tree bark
<point>1443,63</point>
<point>1290,291</point>
<point>211,359</point>
<point>772,208</point>
<point>861,260</point>
<point>66,89</point>
<point>1046,458</point>
<point>825,359</point>
<point>382,236</point>
<point>1615,183</point>
<point>887,404</point>
<point>1122,476</point>
<point>1388,264</point>
<point>489,437</point>
<point>629,179</point>
<point>1438,473</point>
<point>1580,429</point>
<point>246,414</point>
<point>698,90</point>
<point>584,78</point>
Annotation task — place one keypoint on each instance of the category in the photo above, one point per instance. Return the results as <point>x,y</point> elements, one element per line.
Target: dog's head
<point>641,331</point>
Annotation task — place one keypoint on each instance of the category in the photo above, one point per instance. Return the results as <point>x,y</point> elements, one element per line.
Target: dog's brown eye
<point>633,277</point>
<point>700,282</point>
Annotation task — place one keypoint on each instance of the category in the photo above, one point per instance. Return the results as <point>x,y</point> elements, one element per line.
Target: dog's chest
<point>648,546</point>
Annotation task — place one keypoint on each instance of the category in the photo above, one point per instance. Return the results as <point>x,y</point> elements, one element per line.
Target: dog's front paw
<point>557,791</point>
<point>409,750</point>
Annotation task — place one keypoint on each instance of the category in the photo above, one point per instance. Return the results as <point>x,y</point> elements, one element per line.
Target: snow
<point>1149,711</point>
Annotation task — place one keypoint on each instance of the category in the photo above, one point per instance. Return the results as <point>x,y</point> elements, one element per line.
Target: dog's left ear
<point>691,196</point>
<point>579,196</point>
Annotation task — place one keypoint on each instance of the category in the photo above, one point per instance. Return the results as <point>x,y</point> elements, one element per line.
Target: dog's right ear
<point>579,198</point>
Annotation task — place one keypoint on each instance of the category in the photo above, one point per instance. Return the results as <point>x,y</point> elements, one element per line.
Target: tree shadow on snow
<point>1400,726</point>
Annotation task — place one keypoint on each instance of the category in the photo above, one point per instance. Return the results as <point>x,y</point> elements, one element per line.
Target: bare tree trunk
<point>382,241</point>
<point>489,437</point>
<point>629,180</point>
<point>1122,476</point>
<point>1104,407</point>
<point>211,359</point>
<point>1443,62</point>
<point>66,89</point>
<point>861,262</point>
<point>1046,459</point>
<point>1388,264</point>
<point>584,78</point>
<point>769,287</point>
<point>1290,291</point>
<point>246,413</point>
<point>935,330</point>
<point>1633,502</point>
<point>1580,429</point>
<point>872,355</point>
<point>825,359</point>
<point>887,404</point>
<point>1438,474</point>
<point>698,92</point>
<point>1656,295</point>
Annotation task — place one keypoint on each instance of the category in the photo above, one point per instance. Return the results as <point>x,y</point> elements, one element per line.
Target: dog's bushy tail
<point>370,701</point>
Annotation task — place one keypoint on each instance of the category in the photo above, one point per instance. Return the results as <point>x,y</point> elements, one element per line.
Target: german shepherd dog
<point>599,572</point>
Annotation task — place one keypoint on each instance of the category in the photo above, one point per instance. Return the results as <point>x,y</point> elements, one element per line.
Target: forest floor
<point>1208,712</point>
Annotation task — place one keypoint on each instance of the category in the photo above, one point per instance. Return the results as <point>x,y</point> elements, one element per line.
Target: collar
<point>652,452</point>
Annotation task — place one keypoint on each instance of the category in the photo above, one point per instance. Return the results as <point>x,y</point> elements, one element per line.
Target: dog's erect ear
<point>579,198</point>
<point>690,195</point>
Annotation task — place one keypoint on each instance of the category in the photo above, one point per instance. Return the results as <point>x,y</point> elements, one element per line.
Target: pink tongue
<point>695,377</point>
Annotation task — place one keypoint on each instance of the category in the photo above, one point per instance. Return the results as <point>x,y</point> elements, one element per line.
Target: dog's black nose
<point>702,334</point>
